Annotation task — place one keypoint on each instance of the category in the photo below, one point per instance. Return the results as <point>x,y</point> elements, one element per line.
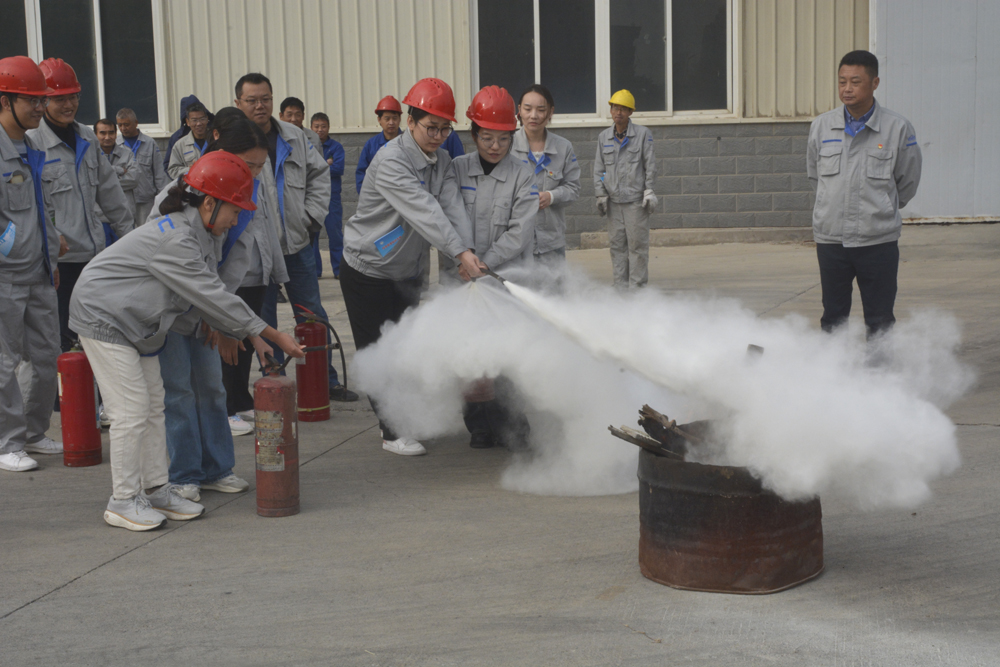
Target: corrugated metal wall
<point>790,53</point>
<point>338,56</point>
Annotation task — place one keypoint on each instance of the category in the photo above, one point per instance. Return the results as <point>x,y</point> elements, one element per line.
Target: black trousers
<point>501,420</point>
<point>236,379</point>
<point>371,302</point>
<point>69,273</point>
<point>875,267</point>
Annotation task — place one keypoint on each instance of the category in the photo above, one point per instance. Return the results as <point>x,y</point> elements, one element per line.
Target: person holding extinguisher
<point>501,200</point>
<point>29,276</point>
<point>409,201</point>
<point>125,303</point>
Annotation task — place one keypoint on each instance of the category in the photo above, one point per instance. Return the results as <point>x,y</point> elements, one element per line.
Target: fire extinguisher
<point>277,443</point>
<point>81,421</point>
<point>311,374</point>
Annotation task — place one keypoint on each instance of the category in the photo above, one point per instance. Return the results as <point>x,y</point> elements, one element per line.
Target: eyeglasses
<point>435,132</point>
<point>501,142</point>
<point>257,101</point>
<point>197,121</point>
<point>35,102</point>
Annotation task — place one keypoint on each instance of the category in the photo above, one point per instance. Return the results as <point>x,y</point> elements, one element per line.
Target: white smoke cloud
<point>816,414</point>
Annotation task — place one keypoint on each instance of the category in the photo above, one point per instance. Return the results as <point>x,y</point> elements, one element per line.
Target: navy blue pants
<point>334,224</point>
<point>874,267</point>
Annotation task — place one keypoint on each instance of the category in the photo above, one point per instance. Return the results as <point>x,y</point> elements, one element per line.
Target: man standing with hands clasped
<point>865,163</point>
<point>624,171</point>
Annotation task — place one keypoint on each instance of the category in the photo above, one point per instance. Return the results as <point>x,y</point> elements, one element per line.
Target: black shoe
<point>342,394</point>
<point>481,440</point>
<point>281,296</point>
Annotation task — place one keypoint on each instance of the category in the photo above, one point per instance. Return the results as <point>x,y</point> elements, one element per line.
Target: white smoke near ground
<point>816,414</point>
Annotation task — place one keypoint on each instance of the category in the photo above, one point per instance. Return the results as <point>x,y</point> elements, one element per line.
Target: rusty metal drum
<point>277,446</point>
<point>714,528</point>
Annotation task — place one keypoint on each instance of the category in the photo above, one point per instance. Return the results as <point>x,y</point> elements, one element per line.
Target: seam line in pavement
<point>794,296</point>
<point>965,424</point>
<point>166,532</point>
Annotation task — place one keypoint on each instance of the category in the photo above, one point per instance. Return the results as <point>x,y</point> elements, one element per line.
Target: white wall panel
<point>338,56</point>
<point>939,67</point>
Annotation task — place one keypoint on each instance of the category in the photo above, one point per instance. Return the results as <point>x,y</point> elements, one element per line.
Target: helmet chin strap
<point>215,213</point>
<point>11,97</point>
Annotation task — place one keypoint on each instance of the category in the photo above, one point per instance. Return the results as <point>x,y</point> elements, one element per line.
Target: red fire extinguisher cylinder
<point>277,446</point>
<point>311,374</point>
<point>81,425</point>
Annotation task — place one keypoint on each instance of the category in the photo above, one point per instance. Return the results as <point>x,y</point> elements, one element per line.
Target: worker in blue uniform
<point>333,153</point>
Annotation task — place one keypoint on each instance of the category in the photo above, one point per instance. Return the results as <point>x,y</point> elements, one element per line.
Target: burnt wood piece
<point>642,440</point>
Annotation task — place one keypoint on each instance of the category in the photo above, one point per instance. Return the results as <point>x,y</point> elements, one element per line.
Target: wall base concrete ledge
<point>661,238</point>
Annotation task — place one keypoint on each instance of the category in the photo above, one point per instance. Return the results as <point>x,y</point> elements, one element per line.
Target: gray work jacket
<point>558,173</point>
<point>300,186</point>
<point>132,293</point>
<point>255,257</point>
<point>125,167</point>
<point>184,154</point>
<point>152,176</point>
<point>24,243</point>
<point>862,181</point>
<point>405,203</point>
<point>624,171</point>
<point>74,186</point>
<point>501,207</point>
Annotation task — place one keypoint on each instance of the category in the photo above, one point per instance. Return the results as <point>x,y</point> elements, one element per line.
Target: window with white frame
<point>111,44</point>
<point>674,56</point>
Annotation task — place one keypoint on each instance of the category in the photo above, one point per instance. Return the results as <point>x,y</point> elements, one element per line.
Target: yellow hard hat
<point>624,98</point>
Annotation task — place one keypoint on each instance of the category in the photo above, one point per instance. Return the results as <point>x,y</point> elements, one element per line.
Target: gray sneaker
<point>133,514</point>
<point>173,505</point>
<point>189,491</point>
<point>44,446</point>
<point>228,484</point>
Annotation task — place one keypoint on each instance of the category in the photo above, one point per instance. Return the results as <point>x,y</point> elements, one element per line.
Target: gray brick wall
<point>708,176</point>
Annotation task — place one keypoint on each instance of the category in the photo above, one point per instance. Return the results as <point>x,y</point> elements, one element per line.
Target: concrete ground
<point>427,561</point>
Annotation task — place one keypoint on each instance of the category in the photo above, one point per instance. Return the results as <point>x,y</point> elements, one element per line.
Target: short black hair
<point>865,59</point>
<point>105,121</point>
<point>319,115</point>
<point>382,111</point>
<point>197,107</point>
<point>237,133</point>
<point>292,102</point>
<point>252,77</point>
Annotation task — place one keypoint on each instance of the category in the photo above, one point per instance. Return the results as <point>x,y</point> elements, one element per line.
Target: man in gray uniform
<point>865,163</point>
<point>124,164</point>
<point>75,180</point>
<point>190,147</point>
<point>298,179</point>
<point>624,171</point>
<point>29,249</point>
<point>152,176</point>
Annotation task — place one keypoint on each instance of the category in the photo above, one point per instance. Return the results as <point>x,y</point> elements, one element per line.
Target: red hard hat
<point>223,176</point>
<point>20,75</point>
<point>493,108</point>
<point>389,103</point>
<point>60,77</point>
<point>433,96</point>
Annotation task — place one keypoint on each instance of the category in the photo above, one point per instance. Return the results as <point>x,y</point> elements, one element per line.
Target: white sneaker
<point>228,484</point>
<point>44,446</point>
<point>133,514</point>
<point>239,427</point>
<point>17,462</point>
<point>105,419</point>
<point>190,491</point>
<point>246,415</point>
<point>172,505</point>
<point>404,447</point>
